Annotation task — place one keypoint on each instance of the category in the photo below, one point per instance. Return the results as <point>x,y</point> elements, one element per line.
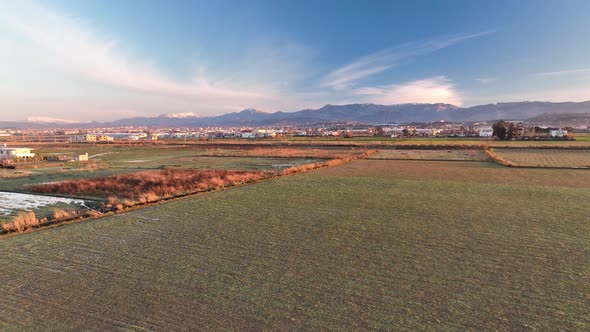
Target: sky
<point>105,60</point>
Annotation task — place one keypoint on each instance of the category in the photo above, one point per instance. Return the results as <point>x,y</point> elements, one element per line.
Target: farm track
<point>380,244</point>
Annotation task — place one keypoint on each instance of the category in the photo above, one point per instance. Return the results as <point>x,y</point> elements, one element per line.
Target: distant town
<point>439,129</point>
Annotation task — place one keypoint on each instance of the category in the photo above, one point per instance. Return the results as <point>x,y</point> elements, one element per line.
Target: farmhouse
<point>15,153</point>
<point>557,132</point>
<point>81,157</point>
<point>485,131</point>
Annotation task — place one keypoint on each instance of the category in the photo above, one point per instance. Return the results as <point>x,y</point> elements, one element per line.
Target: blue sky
<point>103,60</point>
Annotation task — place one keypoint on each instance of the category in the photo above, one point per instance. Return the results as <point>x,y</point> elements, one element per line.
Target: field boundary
<point>499,159</point>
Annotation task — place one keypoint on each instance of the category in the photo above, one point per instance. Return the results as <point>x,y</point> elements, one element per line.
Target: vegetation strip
<point>499,159</point>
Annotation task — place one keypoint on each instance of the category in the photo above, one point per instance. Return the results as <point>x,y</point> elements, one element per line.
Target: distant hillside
<point>363,113</point>
<point>372,114</point>
<point>563,120</point>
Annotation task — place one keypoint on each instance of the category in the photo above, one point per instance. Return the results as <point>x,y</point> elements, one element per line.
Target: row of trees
<point>509,130</point>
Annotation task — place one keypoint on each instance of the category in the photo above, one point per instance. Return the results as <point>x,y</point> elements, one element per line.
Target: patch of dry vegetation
<point>22,222</point>
<point>27,220</point>
<point>499,159</point>
<point>126,190</point>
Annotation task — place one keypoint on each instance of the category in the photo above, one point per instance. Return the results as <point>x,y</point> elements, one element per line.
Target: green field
<point>370,245</point>
<point>546,157</point>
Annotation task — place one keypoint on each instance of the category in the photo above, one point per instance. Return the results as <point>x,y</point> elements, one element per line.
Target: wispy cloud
<point>347,76</point>
<point>577,71</point>
<point>73,49</point>
<point>47,119</point>
<point>436,89</point>
<point>486,80</point>
<point>77,49</point>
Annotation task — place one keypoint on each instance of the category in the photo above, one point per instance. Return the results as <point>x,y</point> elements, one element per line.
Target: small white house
<point>13,153</point>
<point>486,131</point>
<point>557,132</point>
<point>81,157</point>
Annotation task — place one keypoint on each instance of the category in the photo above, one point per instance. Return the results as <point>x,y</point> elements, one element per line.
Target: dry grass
<point>22,222</point>
<point>126,190</point>
<point>499,159</point>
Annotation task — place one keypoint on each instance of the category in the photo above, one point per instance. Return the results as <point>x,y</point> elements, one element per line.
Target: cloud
<point>77,49</point>
<point>65,49</point>
<point>563,72</point>
<point>348,75</point>
<point>486,80</point>
<point>436,89</point>
<point>46,119</point>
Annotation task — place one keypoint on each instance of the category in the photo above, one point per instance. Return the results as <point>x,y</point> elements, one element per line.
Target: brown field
<point>283,152</point>
<point>579,158</point>
<point>412,154</point>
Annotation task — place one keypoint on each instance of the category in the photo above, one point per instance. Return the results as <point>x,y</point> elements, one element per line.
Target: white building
<point>81,157</point>
<point>13,153</point>
<point>247,134</point>
<point>485,131</point>
<point>557,132</point>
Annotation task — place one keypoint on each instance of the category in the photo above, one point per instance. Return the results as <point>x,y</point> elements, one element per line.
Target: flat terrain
<point>412,154</point>
<point>110,160</point>
<point>547,157</point>
<point>373,244</point>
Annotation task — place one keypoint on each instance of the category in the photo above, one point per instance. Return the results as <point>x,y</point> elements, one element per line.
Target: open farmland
<point>109,160</point>
<point>573,158</point>
<point>413,154</point>
<point>380,244</point>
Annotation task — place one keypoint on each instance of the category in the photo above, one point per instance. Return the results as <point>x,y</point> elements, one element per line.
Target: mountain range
<point>361,113</point>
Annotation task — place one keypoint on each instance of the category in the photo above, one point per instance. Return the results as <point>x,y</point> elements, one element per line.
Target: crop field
<point>411,154</point>
<point>372,244</point>
<point>122,162</point>
<point>108,160</point>
<point>161,156</point>
<point>284,152</point>
<point>546,157</point>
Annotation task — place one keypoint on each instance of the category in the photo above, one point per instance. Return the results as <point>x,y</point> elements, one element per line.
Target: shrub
<point>23,221</point>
